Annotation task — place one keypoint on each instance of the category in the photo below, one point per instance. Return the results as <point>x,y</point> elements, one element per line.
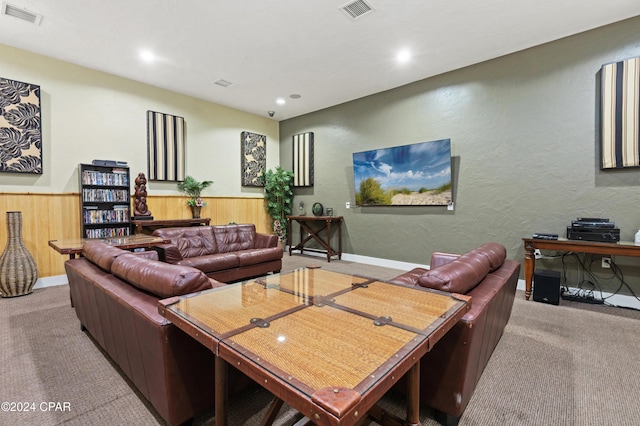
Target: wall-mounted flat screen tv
<point>408,175</point>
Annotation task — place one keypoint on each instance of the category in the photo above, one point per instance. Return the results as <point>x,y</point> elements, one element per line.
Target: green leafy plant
<point>193,189</point>
<point>278,195</point>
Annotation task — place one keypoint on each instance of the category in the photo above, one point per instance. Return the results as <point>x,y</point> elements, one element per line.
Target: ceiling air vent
<point>223,83</point>
<point>356,9</point>
<point>20,13</point>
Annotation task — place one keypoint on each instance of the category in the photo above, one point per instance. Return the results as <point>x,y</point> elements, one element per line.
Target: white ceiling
<point>271,49</point>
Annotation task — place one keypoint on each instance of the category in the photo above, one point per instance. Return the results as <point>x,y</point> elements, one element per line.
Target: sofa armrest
<point>439,258</point>
<point>168,253</point>
<point>216,283</point>
<point>266,240</point>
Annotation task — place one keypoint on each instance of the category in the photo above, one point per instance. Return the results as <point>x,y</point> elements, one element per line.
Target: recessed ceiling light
<point>147,56</point>
<point>295,96</point>
<point>403,56</point>
<point>280,101</point>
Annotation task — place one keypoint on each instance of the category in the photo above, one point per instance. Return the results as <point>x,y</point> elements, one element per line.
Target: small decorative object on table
<point>142,210</point>
<point>193,189</point>
<point>329,211</point>
<point>301,209</point>
<point>317,209</point>
<point>18,270</point>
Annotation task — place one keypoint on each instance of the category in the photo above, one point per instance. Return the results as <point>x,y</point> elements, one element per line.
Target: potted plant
<point>278,195</point>
<point>193,189</point>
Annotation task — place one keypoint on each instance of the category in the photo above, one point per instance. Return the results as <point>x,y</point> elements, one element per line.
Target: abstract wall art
<point>620,114</point>
<point>166,147</point>
<point>20,127</point>
<point>254,158</point>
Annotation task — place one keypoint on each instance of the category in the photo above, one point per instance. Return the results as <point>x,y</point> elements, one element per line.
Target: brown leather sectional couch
<point>224,252</point>
<point>451,370</point>
<point>115,294</point>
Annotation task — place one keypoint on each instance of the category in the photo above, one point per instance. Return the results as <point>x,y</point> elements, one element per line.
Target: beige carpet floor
<point>572,364</point>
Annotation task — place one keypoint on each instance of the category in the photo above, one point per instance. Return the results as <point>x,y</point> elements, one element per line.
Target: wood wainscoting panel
<point>44,217</point>
<point>221,210</point>
<point>48,217</point>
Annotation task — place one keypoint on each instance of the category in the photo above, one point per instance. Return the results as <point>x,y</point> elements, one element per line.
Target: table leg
<point>413,395</point>
<point>289,230</point>
<point>329,249</point>
<point>529,266</point>
<point>272,412</point>
<point>221,391</point>
<point>340,240</point>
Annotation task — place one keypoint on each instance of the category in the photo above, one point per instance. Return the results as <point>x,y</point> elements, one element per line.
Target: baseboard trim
<point>376,261</point>
<point>622,301</point>
<point>386,263</point>
<point>51,281</point>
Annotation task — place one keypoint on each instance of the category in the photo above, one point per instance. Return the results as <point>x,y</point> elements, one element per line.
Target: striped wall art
<point>165,143</point>
<point>620,114</point>
<point>303,159</point>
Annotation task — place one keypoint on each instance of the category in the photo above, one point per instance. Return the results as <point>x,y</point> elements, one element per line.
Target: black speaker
<point>546,286</point>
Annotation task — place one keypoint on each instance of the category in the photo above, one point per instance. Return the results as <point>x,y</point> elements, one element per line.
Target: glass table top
<point>315,329</point>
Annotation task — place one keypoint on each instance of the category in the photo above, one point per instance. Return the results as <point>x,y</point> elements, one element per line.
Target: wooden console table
<point>314,225</point>
<point>577,246</point>
<point>148,226</point>
<point>73,246</point>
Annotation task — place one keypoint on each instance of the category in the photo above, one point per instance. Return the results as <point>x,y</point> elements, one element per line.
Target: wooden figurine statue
<point>141,210</point>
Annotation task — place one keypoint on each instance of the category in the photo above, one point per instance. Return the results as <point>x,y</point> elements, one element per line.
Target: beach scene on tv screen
<point>409,175</point>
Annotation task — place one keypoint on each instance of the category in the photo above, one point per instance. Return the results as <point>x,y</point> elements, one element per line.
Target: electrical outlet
<point>537,254</point>
<point>347,205</point>
<point>606,262</point>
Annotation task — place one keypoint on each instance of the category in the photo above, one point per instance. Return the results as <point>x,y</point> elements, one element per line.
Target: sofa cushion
<point>212,262</point>
<point>101,254</point>
<point>159,278</point>
<point>495,252</point>
<point>192,241</point>
<point>464,273</point>
<point>234,237</point>
<point>253,257</point>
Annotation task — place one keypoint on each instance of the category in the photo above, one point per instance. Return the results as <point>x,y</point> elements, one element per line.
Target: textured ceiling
<point>271,49</point>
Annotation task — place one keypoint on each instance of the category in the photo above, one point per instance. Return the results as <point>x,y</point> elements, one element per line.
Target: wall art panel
<point>254,158</point>
<point>620,114</point>
<point>20,127</point>
<point>166,147</point>
<point>303,159</point>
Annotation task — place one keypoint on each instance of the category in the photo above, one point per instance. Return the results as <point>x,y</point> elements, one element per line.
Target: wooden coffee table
<point>328,344</point>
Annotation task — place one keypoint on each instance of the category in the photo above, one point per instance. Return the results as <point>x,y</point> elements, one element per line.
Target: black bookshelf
<point>105,193</point>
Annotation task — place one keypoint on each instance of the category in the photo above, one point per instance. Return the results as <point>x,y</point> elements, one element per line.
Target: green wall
<point>523,132</point>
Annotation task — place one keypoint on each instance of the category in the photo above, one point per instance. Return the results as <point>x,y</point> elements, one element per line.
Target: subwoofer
<point>546,286</point>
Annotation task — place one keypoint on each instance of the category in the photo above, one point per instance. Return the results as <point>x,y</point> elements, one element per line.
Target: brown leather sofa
<point>224,252</point>
<point>115,294</point>
<point>451,370</point>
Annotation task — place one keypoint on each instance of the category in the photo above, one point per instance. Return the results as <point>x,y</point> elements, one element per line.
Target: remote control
<point>541,236</point>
